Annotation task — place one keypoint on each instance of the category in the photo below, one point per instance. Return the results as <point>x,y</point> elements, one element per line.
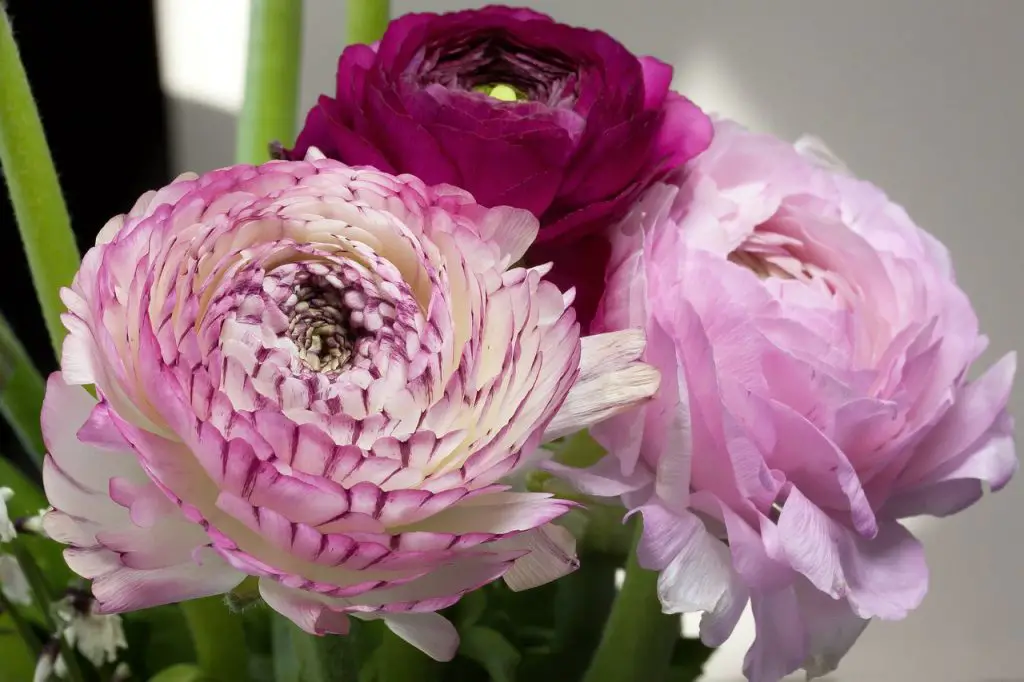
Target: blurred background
<point>924,97</point>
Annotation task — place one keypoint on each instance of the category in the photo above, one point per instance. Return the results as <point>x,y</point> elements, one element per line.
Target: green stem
<point>367,20</point>
<point>28,635</point>
<point>39,206</point>
<point>21,393</point>
<point>271,78</point>
<point>218,638</point>
<point>43,595</point>
<point>638,638</point>
<point>41,591</point>
<point>399,661</point>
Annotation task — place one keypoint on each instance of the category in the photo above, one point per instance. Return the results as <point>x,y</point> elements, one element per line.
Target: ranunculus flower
<point>317,376</point>
<point>519,110</point>
<point>814,350</point>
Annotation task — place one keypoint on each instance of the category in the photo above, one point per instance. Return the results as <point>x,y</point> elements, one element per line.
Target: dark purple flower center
<point>482,61</point>
<point>317,324</point>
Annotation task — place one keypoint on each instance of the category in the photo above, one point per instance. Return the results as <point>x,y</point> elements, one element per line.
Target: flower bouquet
<point>504,359</point>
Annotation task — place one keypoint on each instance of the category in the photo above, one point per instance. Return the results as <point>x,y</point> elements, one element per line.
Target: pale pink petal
<point>306,610</point>
<point>118,589</point>
<point>831,626</point>
<point>882,577</point>
<point>551,554</point>
<point>779,645</point>
<point>431,633</point>
<point>604,479</point>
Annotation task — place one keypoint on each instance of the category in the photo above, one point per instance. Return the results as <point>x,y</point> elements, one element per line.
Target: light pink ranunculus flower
<point>814,350</point>
<point>318,376</point>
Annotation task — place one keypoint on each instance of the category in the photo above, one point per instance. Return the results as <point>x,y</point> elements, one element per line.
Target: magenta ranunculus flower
<point>814,349</point>
<point>518,110</point>
<point>318,376</point>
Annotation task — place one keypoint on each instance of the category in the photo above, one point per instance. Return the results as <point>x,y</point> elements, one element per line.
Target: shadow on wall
<point>210,139</point>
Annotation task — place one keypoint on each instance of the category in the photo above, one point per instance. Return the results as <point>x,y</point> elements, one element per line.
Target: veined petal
<point>612,379</point>
<point>551,554</point>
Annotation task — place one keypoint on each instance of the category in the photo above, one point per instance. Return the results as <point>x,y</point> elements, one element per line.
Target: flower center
<point>501,68</point>
<point>316,323</point>
<point>502,92</point>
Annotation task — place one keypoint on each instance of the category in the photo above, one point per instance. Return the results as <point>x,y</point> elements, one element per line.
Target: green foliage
<point>17,660</point>
<point>158,639</point>
<point>21,393</point>
<point>32,185</point>
<point>492,651</point>
<point>27,501</point>
<point>182,672</point>
<point>301,657</point>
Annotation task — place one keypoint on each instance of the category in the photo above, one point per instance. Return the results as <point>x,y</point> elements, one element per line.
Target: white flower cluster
<point>12,580</point>
<point>97,637</point>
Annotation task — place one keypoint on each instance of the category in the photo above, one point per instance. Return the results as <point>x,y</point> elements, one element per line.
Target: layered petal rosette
<point>317,376</point>
<point>519,110</point>
<point>814,348</point>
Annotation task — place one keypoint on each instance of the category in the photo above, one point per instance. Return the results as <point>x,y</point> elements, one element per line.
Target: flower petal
<point>611,380</point>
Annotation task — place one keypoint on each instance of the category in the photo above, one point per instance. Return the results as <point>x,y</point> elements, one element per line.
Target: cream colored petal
<point>612,379</point>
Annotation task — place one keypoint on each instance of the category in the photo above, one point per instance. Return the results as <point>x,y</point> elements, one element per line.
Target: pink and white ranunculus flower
<point>318,376</point>
<point>814,350</point>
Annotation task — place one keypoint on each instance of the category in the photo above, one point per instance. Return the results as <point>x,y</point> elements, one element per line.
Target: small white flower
<point>50,663</point>
<point>98,637</point>
<point>45,669</point>
<point>7,531</point>
<point>34,524</point>
<point>12,581</point>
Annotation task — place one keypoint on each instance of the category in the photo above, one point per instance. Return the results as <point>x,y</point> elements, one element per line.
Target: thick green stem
<point>367,20</point>
<point>21,393</point>
<point>638,638</point>
<point>218,638</point>
<point>271,78</point>
<point>39,206</point>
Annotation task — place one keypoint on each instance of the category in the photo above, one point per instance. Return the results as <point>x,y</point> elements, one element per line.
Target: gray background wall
<point>924,97</point>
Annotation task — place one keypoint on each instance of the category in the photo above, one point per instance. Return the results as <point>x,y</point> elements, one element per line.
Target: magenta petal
<point>657,79</point>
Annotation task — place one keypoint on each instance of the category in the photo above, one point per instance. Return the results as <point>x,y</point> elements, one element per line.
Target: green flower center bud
<point>502,92</point>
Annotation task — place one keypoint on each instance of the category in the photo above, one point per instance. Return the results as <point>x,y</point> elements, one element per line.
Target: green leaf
<point>301,657</point>
<point>31,178</point>
<point>28,496</point>
<point>398,661</point>
<point>16,659</point>
<point>182,672</point>
<point>579,450</point>
<point>286,660</point>
<point>584,600</point>
<point>470,608</point>
<point>21,393</point>
<point>271,78</point>
<point>27,501</point>
<point>158,638</point>
<point>492,651</point>
<point>219,639</point>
